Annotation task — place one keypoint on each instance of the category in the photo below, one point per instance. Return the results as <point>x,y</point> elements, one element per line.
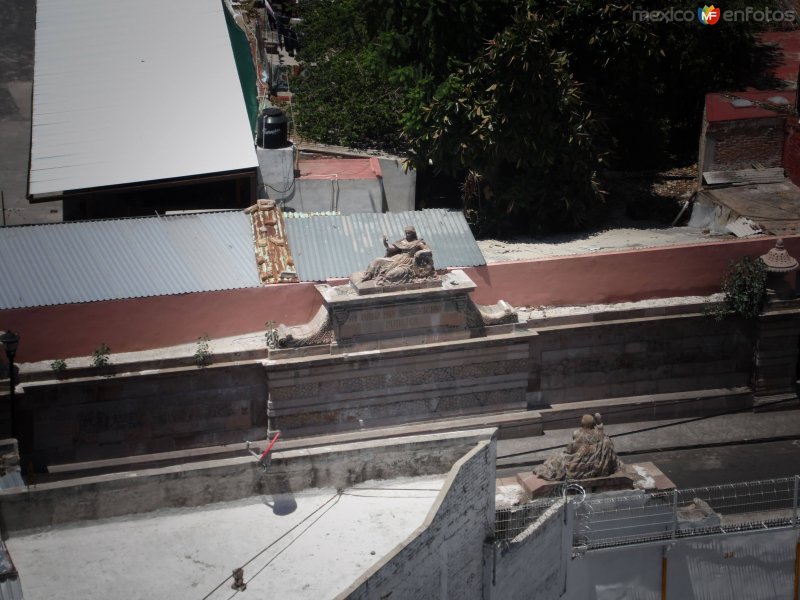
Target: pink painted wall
<point>616,276</point>
<point>51,332</point>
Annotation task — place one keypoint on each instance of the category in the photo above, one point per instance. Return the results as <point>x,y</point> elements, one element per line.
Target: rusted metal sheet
<point>273,256</point>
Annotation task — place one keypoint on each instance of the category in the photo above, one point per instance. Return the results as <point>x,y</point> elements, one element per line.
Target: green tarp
<point>244,66</point>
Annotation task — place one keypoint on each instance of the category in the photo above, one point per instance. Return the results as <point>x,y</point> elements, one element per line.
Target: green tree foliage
<point>521,101</point>
<point>744,287</point>
<point>516,118</point>
<point>343,95</point>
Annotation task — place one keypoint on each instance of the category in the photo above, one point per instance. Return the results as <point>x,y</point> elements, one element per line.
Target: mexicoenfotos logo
<point>711,15</point>
<point>708,15</point>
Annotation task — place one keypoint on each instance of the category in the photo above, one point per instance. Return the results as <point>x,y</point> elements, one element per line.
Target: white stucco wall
<point>444,557</point>
<point>533,564</point>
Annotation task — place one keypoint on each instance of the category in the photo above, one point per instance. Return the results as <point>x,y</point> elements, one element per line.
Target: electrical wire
<point>652,428</point>
<point>387,496</point>
<point>337,496</point>
<point>282,550</point>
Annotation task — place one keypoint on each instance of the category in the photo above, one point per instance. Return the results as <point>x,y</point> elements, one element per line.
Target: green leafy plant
<point>743,287</point>
<point>59,366</point>
<point>202,353</point>
<point>271,335</point>
<point>100,357</point>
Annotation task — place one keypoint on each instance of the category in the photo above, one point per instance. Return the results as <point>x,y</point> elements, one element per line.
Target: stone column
<point>777,336</point>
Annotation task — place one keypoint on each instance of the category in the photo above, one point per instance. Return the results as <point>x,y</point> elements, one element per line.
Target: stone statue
<point>591,454</point>
<point>406,260</point>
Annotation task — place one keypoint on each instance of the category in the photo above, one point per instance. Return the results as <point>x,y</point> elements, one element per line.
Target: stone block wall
<point>175,409</point>
<point>637,354</point>
<point>776,353</point>
<point>291,471</point>
<point>444,557</point>
<point>532,564</point>
<point>641,356</point>
<point>401,385</point>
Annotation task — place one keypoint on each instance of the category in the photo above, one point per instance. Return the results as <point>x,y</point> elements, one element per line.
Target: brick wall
<point>444,557</point>
<point>733,145</point>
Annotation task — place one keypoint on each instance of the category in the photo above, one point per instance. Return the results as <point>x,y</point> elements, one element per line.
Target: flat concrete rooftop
<point>307,545</point>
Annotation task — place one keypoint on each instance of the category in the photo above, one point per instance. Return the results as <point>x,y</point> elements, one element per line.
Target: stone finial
<point>778,260</point>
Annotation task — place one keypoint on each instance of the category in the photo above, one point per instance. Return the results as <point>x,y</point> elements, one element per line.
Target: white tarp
<point>127,92</point>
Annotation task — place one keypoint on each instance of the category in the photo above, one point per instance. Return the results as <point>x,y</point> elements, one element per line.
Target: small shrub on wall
<point>743,287</point>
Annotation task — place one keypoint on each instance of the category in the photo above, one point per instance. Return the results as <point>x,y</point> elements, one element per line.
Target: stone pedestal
<point>380,356</point>
<point>369,317</point>
<point>643,476</point>
<point>776,356</point>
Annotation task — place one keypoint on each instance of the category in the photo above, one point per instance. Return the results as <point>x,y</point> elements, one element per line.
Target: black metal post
<point>10,340</point>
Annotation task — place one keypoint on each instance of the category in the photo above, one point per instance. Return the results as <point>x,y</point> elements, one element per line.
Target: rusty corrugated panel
<point>273,256</point>
<point>334,246</point>
<point>65,263</point>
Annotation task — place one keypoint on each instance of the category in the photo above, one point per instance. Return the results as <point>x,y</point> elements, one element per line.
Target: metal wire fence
<point>510,522</point>
<point>626,518</point>
<point>616,520</point>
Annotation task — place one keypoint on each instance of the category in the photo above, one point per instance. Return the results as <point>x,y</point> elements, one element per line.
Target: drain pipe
<point>269,447</point>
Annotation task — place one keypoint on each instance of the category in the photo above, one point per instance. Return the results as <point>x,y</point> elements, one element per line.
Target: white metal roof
<point>130,91</point>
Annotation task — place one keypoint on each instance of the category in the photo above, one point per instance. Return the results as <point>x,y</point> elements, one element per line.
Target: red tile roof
<point>273,256</point>
<point>719,107</point>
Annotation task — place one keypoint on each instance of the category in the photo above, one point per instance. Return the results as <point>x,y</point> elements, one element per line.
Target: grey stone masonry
<point>776,351</point>
<point>409,314</point>
<point>317,394</point>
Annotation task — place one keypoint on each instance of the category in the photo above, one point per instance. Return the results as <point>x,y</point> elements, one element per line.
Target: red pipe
<point>271,444</point>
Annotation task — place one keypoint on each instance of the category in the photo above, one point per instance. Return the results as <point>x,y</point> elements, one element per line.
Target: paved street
<point>726,464</point>
<point>744,446</point>
<point>16,84</point>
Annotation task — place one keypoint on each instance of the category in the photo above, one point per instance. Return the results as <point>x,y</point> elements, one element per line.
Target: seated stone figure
<point>591,454</point>
<point>406,260</point>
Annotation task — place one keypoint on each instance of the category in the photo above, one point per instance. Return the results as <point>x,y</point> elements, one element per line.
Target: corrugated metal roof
<point>134,91</point>
<point>65,263</point>
<point>326,247</point>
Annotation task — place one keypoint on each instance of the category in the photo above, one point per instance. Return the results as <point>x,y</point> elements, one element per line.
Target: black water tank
<point>271,129</point>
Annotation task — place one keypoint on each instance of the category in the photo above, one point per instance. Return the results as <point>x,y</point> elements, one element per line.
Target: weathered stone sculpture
<point>400,300</point>
<point>591,454</point>
<point>406,260</point>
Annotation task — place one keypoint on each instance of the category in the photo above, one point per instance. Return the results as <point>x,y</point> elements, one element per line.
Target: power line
<point>336,496</point>
<point>282,550</point>
<point>652,428</point>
